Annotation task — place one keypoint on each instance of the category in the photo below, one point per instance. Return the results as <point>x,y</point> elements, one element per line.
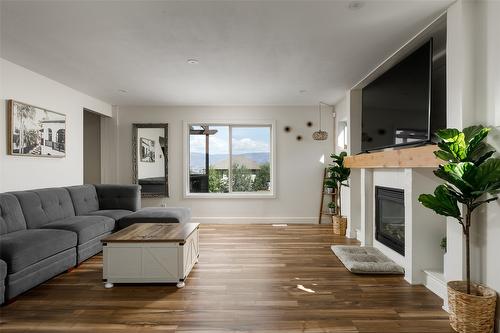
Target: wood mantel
<point>417,157</point>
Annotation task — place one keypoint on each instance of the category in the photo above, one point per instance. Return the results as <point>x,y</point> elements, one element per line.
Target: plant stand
<point>332,195</point>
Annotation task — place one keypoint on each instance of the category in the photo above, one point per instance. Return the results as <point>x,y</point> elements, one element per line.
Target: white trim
<point>255,220</point>
<point>435,282</point>
<point>250,195</point>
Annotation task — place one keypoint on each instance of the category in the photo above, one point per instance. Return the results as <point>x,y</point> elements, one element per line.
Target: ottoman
<point>156,215</point>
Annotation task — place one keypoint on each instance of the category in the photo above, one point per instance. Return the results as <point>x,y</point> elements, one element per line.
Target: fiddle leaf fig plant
<point>339,176</point>
<point>471,173</point>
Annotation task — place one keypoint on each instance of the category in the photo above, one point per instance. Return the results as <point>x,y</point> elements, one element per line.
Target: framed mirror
<point>150,159</point>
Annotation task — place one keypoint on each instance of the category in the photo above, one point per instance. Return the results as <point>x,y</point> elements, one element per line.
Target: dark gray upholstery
<point>3,275</point>
<point>86,227</point>
<point>90,248</point>
<point>84,199</point>
<point>45,205</point>
<point>25,247</point>
<point>156,215</point>
<point>126,197</point>
<point>11,215</point>
<point>115,214</point>
<point>47,231</point>
<point>40,272</point>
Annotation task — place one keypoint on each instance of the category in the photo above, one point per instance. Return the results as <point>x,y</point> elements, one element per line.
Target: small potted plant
<point>443,245</point>
<point>330,186</point>
<point>331,207</point>
<point>339,174</point>
<point>470,174</point>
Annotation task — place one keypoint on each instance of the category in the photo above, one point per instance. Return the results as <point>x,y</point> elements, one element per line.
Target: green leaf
<point>445,156</point>
<point>481,153</point>
<point>453,142</point>
<point>458,174</point>
<point>442,202</point>
<point>487,176</point>
<point>447,134</point>
<point>459,196</point>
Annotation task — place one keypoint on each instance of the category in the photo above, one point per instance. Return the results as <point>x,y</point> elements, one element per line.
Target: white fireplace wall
<point>423,229</point>
<point>393,178</point>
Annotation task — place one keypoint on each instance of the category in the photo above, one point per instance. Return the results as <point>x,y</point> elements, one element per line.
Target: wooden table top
<point>153,232</point>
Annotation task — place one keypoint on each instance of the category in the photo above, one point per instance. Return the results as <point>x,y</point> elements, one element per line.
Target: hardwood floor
<point>250,278</point>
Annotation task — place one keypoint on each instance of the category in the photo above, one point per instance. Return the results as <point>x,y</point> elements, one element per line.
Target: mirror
<point>150,159</point>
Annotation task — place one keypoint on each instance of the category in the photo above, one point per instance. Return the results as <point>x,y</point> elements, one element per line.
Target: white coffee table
<point>151,253</point>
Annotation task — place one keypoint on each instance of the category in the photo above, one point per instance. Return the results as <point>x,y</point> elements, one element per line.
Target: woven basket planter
<point>339,225</point>
<point>473,313</point>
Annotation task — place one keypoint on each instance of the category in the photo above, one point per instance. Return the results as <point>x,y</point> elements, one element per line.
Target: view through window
<point>230,158</point>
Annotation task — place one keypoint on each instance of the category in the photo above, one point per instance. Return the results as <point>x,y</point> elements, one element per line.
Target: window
<point>229,160</point>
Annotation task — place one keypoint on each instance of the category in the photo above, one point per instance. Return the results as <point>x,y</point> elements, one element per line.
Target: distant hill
<point>198,159</point>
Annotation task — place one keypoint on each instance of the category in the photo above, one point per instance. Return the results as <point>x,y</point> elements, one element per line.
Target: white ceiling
<point>249,52</point>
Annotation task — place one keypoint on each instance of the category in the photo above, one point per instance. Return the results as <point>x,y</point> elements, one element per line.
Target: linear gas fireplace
<point>390,218</point>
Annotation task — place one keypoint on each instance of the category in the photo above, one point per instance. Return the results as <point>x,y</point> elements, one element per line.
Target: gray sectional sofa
<point>45,232</point>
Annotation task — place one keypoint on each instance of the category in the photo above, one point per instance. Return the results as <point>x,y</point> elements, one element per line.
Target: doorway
<point>91,147</point>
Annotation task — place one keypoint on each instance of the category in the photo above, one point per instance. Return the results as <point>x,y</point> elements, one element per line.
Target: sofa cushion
<point>119,196</point>
<point>3,269</point>
<point>115,214</point>
<point>11,215</point>
<point>156,215</point>
<point>84,199</point>
<point>43,206</point>
<point>86,227</point>
<point>23,248</point>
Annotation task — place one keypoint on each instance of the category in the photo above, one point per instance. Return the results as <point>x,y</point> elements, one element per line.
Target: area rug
<point>366,260</point>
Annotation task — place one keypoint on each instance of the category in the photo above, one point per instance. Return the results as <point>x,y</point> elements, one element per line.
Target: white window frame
<point>242,195</point>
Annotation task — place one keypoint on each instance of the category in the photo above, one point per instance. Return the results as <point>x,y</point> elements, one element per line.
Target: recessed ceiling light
<point>192,61</point>
<point>355,5</point>
<point>123,91</point>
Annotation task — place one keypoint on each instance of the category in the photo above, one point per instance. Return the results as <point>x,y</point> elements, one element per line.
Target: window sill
<point>229,196</point>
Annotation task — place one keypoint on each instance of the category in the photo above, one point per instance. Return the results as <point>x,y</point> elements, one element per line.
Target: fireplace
<point>390,218</point>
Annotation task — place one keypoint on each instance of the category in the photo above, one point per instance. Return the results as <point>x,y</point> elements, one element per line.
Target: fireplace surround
<point>390,218</point>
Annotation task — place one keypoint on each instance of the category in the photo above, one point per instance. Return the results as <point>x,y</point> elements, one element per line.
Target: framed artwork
<point>147,150</point>
<point>35,131</point>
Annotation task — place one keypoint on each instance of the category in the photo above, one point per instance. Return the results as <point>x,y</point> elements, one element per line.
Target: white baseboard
<point>359,235</point>
<point>435,282</point>
<point>255,220</point>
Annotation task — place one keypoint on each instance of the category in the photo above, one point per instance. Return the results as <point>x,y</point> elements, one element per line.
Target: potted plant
<point>331,207</point>
<point>339,174</point>
<point>329,185</point>
<point>470,174</point>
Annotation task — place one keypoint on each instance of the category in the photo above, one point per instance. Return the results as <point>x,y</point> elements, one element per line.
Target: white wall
<point>474,98</point>
<point>488,107</point>
<point>299,169</point>
<point>348,110</point>
<point>20,173</point>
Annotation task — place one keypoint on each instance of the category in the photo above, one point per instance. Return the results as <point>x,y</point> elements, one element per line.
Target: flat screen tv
<point>396,107</point>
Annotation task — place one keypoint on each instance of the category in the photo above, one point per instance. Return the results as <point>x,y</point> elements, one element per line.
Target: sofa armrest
<point>119,196</point>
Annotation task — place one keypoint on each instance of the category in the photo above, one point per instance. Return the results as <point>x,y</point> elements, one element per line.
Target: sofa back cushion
<point>84,199</point>
<point>11,215</point>
<point>119,196</point>
<point>45,205</point>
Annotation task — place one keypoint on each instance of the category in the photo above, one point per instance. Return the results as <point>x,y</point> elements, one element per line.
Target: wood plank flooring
<point>250,278</point>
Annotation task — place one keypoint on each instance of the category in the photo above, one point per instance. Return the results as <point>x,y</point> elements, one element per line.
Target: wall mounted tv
<point>398,107</point>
